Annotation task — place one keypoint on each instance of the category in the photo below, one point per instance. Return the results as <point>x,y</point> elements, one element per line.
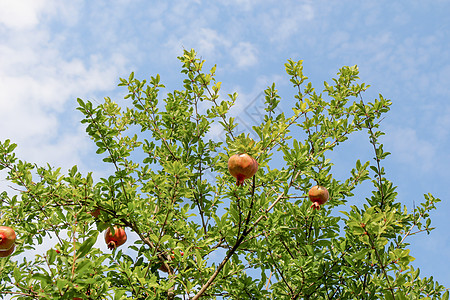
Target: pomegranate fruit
<point>318,196</point>
<point>7,238</point>
<point>242,166</point>
<point>163,268</point>
<point>95,213</point>
<point>8,252</point>
<point>116,239</point>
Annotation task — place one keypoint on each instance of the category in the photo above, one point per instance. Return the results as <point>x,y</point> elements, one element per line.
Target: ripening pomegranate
<point>7,238</point>
<point>163,267</point>
<point>117,239</point>
<point>318,196</point>
<point>242,166</point>
<point>8,252</point>
<point>95,213</point>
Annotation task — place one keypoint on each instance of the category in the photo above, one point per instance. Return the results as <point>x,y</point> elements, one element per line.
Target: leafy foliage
<point>171,188</point>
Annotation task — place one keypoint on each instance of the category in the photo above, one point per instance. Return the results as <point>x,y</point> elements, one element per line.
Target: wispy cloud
<point>245,54</point>
<point>21,14</point>
<point>408,148</point>
<point>39,81</point>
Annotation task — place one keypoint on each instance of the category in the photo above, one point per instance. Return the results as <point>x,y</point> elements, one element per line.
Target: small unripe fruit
<point>318,196</point>
<point>7,238</point>
<point>242,166</point>
<point>8,252</point>
<point>115,240</point>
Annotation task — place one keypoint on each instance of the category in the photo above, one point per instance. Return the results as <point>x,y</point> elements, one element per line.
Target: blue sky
<point>52,52</point>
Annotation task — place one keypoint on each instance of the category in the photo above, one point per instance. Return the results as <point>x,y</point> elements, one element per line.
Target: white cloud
<point>27,14</point>
<point>409,148</point>
<point>207,42</point>
<point>244,5</point>
<point>286,22</point>
<point>51,82</point>
<point>40,79</point>
<point>22,14</point>
<point>245,54</point>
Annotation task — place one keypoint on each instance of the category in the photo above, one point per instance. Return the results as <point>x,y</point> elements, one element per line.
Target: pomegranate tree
<point>7,238</point>
<point>116,239</point>
<point>242,166</point>
<point>318,196</point>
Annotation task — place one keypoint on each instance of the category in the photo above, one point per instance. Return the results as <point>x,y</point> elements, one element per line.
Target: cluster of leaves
<point>171,189</point>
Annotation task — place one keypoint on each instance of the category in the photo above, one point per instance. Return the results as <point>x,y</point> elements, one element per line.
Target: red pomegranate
<point>318,196</point>
<point>8,252</point>
<point>7,238</point>
<point>117,239</point>
<point>242,166</point>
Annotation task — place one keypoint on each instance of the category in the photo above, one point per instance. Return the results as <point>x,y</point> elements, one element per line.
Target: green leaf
<point>86,246</point>
<point>80,102</point>
<point>51,256</point>
<point>83,265</point>
<point>17,274</point>
<point>43,278</point>
<point>360,254</point>
<point>400,295</point>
